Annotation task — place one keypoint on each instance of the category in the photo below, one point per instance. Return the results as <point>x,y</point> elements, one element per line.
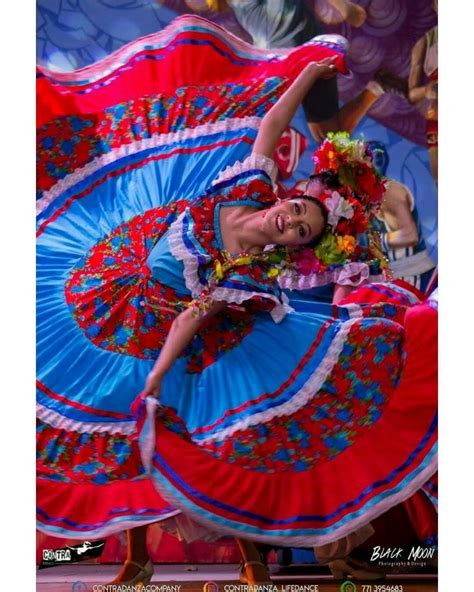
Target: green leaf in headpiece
<point>327,250</point>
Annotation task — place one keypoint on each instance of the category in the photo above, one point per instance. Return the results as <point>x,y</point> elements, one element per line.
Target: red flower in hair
<point>368,184</point>
<point>325,158</point>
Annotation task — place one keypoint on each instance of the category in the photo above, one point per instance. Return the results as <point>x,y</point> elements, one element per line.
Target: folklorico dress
<point>289,422</point>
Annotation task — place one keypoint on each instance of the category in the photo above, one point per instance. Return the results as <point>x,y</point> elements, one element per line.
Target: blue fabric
<point>166,268</point>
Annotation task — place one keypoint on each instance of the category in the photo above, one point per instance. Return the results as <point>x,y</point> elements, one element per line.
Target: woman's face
<point>294,222</point>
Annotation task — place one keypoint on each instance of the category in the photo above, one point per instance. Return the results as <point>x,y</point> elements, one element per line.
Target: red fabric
<point>82,507</point>
<point>181,66</point>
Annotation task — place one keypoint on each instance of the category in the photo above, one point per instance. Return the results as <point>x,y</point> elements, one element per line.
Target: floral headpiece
<point>350,208</point>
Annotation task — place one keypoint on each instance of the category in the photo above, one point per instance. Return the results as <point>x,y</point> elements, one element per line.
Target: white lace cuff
<point>254,161</point>
<point>352,274</point>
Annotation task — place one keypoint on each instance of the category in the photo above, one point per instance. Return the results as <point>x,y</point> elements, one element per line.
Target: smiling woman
<point>298,222</point>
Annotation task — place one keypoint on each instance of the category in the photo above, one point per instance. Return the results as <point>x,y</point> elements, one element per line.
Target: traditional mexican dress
<point>283,422</point>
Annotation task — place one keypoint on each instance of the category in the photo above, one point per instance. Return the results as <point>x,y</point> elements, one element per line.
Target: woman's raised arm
<point>280,115</point>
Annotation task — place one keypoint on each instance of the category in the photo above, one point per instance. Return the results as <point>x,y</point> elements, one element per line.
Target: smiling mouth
<point>280,223</point>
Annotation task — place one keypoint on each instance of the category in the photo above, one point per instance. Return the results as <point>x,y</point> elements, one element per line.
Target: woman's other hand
<point>153,385</point>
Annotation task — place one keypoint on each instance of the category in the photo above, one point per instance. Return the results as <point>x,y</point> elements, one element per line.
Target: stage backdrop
<point>74,33</point>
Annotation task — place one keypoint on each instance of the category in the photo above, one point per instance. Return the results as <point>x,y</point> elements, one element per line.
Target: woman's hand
<point>324,69</point>
<point>153,385</point>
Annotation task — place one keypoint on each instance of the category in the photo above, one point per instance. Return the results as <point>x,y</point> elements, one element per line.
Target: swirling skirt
<point>310,428</point>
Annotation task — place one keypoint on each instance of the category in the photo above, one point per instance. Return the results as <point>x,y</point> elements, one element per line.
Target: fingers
<point>330,61</point>
<point>150,393</point>
<point>326,68</point>
<point>150,390</point>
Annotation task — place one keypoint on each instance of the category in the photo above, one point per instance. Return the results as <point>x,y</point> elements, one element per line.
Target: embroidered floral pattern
<point>68,143</point>
<point>121,307</point>
<point>351,400</point>
<point>113,295</point>
<point>77,457</point>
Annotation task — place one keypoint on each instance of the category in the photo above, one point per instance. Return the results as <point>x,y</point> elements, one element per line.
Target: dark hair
<point>328,178</point>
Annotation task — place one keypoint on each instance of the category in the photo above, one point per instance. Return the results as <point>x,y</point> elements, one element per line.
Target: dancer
<point>130,238</point>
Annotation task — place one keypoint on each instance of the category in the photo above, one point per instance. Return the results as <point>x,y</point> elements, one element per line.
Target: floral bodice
<point>210,273</point>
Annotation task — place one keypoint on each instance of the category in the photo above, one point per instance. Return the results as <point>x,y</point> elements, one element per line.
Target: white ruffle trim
<point>354,310</point>
<point>134,147</point>
<point>253,161</point>
<point>181,253</point>
<point>191,278</point>
<point>343,276</point>
<point>186,529</point>
<point>278,313</point>
<point>56,420</point>
<point>301,398</point>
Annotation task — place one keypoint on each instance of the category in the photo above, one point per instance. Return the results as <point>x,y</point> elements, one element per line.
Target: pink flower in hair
<point>305,261</point>
<point>337,208</point>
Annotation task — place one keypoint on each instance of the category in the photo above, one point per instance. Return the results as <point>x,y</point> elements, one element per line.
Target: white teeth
<point>279,223</point>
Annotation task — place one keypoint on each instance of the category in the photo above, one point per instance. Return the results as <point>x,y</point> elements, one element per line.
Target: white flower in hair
<point>337,208</point>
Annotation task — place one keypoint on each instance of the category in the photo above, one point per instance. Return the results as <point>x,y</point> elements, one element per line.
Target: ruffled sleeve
<point>253,163</point>
<point>350,274</point>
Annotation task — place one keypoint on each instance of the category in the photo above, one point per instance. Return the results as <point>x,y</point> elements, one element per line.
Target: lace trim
<point>180,252</point>
<point>254,161</point>
<point>138,146</point>
<point>337,276</point>
<point>278,313</point>
<point>191,277</point>
<point>56,420</point>
<point>301,398</point>
<point>433,299</point>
